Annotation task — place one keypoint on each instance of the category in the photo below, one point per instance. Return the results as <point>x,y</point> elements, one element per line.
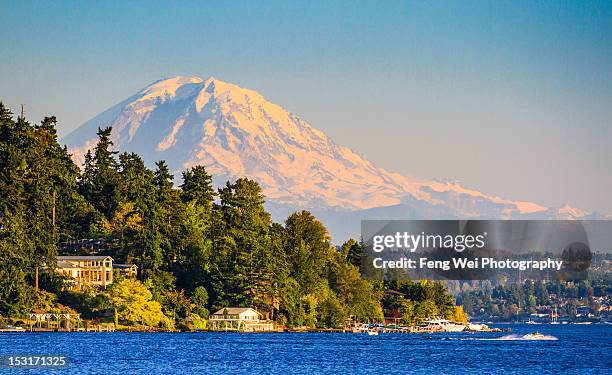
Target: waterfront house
<point>86,270</point>
<point>241,319</point>
<point>126,270</point>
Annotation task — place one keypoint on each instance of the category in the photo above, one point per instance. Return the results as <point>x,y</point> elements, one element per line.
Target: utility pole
<point>52,221</point>
<point>53,212</point>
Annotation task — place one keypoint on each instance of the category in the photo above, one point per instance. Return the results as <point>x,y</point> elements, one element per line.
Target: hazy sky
<point>513,98</point>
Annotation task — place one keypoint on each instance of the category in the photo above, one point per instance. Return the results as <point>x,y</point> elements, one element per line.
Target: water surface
<point>579,349</point>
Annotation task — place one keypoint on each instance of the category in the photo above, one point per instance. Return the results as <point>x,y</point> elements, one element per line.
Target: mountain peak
<point>211,80</point>
<point>169,87</point>
<point>169,84</point>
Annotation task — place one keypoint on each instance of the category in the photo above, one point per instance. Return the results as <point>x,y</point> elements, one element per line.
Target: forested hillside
<point>196,249</point>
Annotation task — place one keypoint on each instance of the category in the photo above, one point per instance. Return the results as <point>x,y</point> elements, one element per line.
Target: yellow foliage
<point>125,219</point>
<point>460,316</point>
<point>134,304</point>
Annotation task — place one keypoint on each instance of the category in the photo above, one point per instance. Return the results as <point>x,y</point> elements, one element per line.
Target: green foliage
<point>160,283</point>
<point>90,302</point>
<point>36,176</point>
<point>99,182</point>
<point>413,303</point>
<point>193,259</point>
<point>199,299</point>
<point>176,305</point>
<point>308,246</point>
<point>425,309</point>
<point>331,312</point>
<point>197,186</point>
<point>240,240</point>
<point>194,254</point>
<point>15,262</point>
<point>357,295</point>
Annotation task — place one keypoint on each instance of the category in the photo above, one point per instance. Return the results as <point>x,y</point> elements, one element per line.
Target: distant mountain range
<point>236,132</point>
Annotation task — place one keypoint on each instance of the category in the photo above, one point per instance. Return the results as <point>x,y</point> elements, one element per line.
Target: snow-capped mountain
<point>236,132</point>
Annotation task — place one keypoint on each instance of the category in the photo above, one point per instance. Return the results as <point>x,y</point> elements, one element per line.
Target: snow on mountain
<point>236,132</point>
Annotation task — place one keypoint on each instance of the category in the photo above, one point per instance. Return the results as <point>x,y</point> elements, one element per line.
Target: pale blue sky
<point>513,98</point>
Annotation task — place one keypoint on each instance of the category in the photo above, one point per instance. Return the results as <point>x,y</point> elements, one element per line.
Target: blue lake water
<point>579,349</point>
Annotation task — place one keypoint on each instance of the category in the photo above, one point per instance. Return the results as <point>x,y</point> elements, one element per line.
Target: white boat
<point>477,327</point>
<point>373,333</point>
<point>534,336</point>
<point>361,328</point>
<point>11,328</point>
<point>444,325</point>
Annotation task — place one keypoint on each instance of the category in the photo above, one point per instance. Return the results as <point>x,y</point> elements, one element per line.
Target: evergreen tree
<point>100,182</point>
<point>170,214</point>
<point>37,178</point>
<point>197,186</point>
<point>163,181</point>
<point>242,245</point>
<point>308,246</point>
<point>137,181</point>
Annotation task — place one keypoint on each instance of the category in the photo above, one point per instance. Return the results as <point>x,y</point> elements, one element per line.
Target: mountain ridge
<point>236,132</point>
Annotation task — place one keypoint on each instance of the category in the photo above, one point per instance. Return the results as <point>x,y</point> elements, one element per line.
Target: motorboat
<point>443,325</point>
<point>534,336</point>
<point>361,328</point>
<point>476,327</point>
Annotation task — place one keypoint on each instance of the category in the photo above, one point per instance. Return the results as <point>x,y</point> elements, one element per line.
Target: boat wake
<point>527,337</point>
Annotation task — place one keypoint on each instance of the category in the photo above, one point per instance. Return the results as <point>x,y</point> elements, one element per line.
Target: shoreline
<point>110,328</point>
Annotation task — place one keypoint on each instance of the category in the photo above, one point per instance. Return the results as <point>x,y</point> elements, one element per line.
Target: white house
<point>243,319</point>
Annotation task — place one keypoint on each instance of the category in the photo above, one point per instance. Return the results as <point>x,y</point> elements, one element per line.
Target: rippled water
<point>579,349</point>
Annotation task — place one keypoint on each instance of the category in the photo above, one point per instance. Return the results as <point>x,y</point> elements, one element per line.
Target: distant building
<point>126,270</point>
<point>86,270</point>
<point>242,319</point>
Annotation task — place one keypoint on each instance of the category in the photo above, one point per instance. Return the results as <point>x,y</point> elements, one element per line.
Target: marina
<point>432,325</point>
